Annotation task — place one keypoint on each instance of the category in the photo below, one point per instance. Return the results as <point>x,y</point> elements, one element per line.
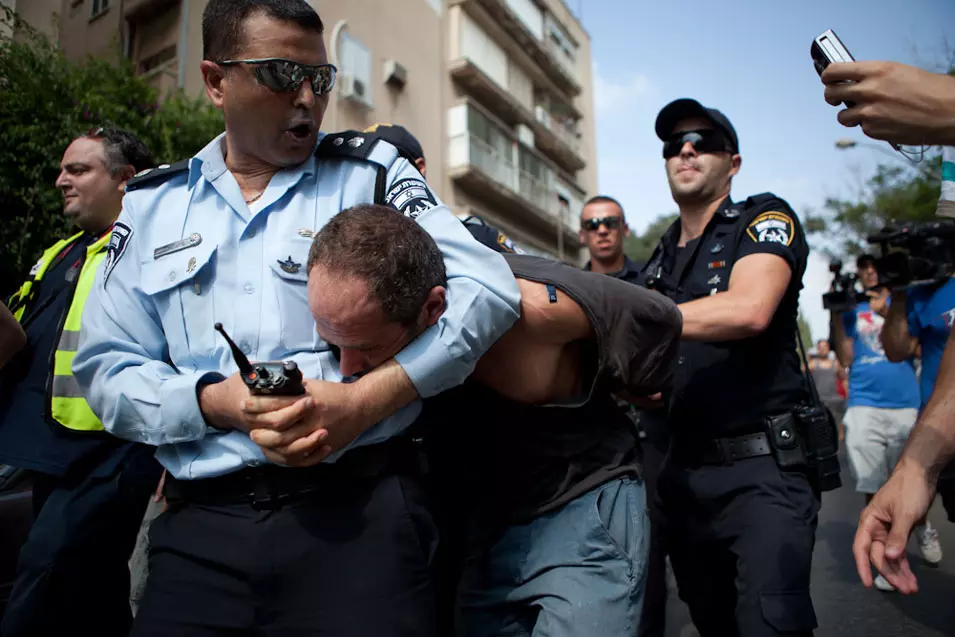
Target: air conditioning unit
<point>395,74</point>
<point>355,90</point>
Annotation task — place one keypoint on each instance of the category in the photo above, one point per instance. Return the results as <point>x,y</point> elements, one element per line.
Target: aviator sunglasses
<point>703,141</point>
<point>612,223</point>
<point>282,75</point>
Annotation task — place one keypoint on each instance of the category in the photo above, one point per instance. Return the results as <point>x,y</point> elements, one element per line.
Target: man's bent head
<point>376,280</point>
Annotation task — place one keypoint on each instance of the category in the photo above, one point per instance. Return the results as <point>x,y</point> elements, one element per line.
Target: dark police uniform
<point>629,273</point>
<point>740,530</point>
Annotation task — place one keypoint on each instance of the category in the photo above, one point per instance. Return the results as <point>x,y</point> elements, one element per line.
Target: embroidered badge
<point>290,266</point>
<point>118,242</point>
<point>411,197</point>
<point>771,227</point>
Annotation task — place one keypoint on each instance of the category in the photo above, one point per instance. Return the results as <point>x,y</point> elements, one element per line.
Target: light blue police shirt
<point>148,337</point>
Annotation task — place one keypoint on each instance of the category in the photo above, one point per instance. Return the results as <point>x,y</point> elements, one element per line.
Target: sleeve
<point>849,324</point>
<point>913,304</point>
<point>775,229</point>
<point>483,299</point>
<point>121,360</point>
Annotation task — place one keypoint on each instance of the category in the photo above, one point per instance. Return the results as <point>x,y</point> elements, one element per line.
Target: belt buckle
<point>262,496</point>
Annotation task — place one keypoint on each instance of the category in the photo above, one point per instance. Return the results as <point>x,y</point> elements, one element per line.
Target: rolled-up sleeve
<point>483,299</point>
<point>121,361</point>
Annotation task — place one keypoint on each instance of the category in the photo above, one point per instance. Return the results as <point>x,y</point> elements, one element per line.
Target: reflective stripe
<point>69,341</point>
<point>66,387</point>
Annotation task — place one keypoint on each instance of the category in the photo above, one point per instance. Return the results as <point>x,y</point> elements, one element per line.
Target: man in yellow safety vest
<point>89,488</point>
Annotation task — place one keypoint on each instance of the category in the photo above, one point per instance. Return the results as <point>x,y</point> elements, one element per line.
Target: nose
<point>687,150</point>
<point>62,180</point>
<point>305,96</point>
<point>352,362</point>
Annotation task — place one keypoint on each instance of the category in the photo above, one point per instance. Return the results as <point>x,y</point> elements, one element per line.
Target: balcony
<point>557,141</point>
<point>144,9</point>
<point>477,83</point>
<point>543,54</point>
<point>490,175</point>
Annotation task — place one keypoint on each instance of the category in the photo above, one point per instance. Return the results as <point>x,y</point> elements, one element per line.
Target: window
<point>355,71</point>
<point>97,7</point>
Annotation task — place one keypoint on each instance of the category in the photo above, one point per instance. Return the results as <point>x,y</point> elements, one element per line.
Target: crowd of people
<point>484,442</point>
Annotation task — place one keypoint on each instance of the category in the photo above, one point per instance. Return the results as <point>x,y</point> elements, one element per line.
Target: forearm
<point>931,444</point>
<point>722,317</point>
<point>12,336</point>
<point>838,340</point>
<point>382,392</point>
<point>896,340</point>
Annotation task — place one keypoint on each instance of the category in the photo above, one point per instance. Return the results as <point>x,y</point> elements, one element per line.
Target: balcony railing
<point>557,53</point>
<point>549,122</point>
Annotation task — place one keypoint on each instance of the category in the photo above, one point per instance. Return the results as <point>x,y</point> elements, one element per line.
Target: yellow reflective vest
<point>67,405</point>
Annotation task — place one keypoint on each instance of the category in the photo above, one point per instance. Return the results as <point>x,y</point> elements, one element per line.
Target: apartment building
<point>499,92</point>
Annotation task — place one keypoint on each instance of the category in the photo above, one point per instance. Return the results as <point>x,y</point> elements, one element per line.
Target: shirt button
<point>681,360</point>
<point>249,289</point>
<point>246,347</point>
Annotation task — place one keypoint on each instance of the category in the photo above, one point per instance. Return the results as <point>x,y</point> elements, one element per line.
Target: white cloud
<point>615,93</point>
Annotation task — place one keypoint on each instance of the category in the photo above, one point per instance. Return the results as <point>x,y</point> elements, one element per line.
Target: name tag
<point>170,248</point>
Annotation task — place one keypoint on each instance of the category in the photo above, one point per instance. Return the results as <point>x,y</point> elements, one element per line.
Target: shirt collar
<point>210,163</point>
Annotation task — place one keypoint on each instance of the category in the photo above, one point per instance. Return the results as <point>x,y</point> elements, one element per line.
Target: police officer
<point>603,229</point>
<point>740,526</point>
<point>407,144</point>
<point>89,488</point>
<point>339,539</point>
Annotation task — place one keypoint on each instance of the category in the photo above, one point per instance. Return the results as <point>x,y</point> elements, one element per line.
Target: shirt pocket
<point>289,260</point>
<point>180,287</point>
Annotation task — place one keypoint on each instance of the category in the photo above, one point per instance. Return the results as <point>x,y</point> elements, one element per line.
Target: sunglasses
<point>612,223</point>
<point>703,141</point>
<point>282,75</point>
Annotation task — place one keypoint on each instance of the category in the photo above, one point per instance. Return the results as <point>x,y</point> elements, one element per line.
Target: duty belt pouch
<point>786,442</point>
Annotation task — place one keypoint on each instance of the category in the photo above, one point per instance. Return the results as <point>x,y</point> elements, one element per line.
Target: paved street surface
<point>843,606</point>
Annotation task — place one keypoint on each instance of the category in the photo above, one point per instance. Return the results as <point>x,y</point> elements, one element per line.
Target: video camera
<point>845,292</point>
<point>915,252</point>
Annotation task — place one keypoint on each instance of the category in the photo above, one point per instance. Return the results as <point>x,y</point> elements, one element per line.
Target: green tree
<point>805,334</point>
<point>47,100</point>
<point>640,247</point>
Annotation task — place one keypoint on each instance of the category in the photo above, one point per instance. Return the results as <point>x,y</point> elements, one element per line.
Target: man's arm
<point>898,343</point>
<point>894,102</point>
<point>12,336</point>
<point>757,285</point>
<point>839,340</point>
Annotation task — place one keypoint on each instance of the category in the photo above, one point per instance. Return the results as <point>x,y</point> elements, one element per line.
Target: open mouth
<point>302,131</point>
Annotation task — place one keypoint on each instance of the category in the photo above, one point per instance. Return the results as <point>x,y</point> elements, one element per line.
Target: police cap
<point>685,108</point>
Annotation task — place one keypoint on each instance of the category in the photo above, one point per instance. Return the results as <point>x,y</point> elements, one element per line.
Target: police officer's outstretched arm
<point>766,262</point>
<point>12,336</point>
<point>122,361</point>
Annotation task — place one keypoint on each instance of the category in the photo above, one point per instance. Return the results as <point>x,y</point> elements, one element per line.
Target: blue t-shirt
<point>930,310</point>
<point>874,381</point>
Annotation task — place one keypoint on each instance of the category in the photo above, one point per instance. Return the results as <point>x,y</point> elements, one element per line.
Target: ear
<point>125,175</point>
<point>583,237</point>
<point>626,228</point>
<point>213,76</point>
<point>735,162</point>
<point>433,307</point>
<point>421,166</point>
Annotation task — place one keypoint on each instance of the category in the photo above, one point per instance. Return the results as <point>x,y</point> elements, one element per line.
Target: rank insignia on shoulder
<point>289,265</point>
<point>346,144</point>
<point>157,175</point>
<point>771,227</point>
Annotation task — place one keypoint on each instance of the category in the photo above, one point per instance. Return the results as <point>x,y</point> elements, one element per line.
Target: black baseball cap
<point>684,108</point>
<point>398,136</point>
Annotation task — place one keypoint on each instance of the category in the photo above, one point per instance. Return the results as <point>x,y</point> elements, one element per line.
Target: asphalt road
<point>844,607</point>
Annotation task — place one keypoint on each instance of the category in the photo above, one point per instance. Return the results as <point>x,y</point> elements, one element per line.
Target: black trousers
<point>73,574</point>
<point>349,560</point>
<point>740,539</point>
<point>653,619</point>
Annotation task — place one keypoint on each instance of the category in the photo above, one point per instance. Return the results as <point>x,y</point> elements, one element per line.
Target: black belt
<point>722,450</point>
<point>269,487</point>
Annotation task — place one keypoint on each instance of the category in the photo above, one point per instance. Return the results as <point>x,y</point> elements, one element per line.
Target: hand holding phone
<point>826,49</point>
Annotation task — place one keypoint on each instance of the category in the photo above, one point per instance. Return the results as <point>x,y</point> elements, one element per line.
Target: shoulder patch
<point>118,242</point>
<point>354,144</point>
<point>771,227</point>
<point>411,197</point>
<point>155,176</point>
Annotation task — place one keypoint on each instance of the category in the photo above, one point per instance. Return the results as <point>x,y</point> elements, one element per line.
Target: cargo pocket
<point>789,611</point>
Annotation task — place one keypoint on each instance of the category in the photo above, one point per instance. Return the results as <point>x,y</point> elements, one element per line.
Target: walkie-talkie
<point>276,378</point>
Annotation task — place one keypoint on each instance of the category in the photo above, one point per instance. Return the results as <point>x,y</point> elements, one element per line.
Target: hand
<point>894,102</point>
<point>333,420</point>
<point>885,526</point>
<point>222,405</point>
<point>879,301</point>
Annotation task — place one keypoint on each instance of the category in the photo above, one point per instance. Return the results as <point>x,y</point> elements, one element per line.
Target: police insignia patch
<point>771,227</point>
<point>411,197</point>
<point>118,242</point>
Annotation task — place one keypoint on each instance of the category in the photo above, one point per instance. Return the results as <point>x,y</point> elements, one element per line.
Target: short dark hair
<point>397,257</point>
<point>863,259</point>
<point>222,23</point>
<point>601,199</point>
<point>122,149</point>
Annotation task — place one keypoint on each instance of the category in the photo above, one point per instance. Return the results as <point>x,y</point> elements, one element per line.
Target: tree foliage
<point>49,100</point>
<point>639,247</point>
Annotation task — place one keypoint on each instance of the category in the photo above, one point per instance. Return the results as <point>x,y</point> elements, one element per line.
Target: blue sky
<point>750,59</point>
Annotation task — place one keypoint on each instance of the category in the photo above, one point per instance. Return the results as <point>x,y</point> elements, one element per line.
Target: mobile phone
<point>828,48</point>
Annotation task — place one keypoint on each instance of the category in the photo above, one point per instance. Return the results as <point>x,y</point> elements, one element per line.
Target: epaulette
<point>350,144</point>
<point>157,175</point>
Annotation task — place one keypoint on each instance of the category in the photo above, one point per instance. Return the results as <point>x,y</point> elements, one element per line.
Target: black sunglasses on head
<point>708,140</point>
<point>594,223</point>
<point>282,75</point>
